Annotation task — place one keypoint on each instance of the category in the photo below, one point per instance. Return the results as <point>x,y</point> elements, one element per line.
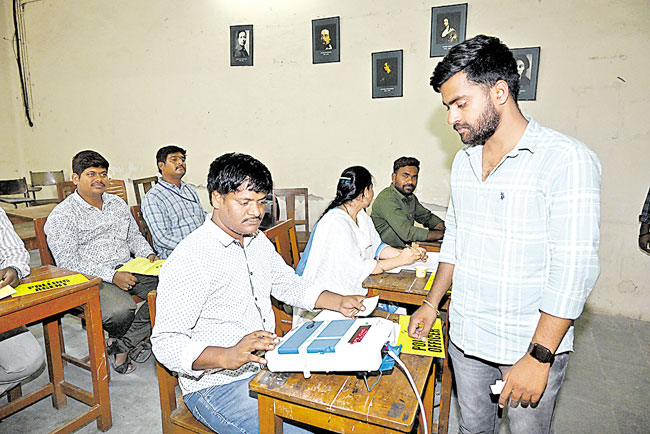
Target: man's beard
<point>485,127</point>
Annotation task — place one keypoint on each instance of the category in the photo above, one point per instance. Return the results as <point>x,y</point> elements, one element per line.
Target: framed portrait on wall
<point>387,73</point>
<point>326,40</point>
<point>448,27</point>
<point>241,45</point>
<point>528,68</point>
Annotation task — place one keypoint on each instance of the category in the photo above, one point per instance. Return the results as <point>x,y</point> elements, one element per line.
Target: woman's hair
<point>352,183</point>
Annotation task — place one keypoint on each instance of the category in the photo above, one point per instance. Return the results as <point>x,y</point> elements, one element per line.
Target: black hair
<point>85,159</point>
<point>351,184</point>
<point>485,60</point>
<point>161,155</point>
<point>229,171</point>
<point>405,161</point>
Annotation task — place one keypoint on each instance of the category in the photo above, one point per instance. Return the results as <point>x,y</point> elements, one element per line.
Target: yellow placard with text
<point>44,285</point>
<point>143,266</point>
<point>434,346</point>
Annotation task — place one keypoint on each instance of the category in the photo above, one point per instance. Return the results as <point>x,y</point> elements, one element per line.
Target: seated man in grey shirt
<point>213,311</point>
<point>93,232</point>
<point>20,353</point>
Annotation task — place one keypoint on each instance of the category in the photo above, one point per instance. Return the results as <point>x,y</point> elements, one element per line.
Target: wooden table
<point>341,403</point>
<point>430,246</point>
<point>22,220</point>
<point>46,306</point>
<point>404,287</point>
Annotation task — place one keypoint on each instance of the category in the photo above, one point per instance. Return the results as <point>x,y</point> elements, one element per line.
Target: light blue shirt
<point>171,213</point>
<point>523,241</point>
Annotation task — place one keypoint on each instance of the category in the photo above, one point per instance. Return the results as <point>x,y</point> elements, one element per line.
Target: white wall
<point>125,77</point>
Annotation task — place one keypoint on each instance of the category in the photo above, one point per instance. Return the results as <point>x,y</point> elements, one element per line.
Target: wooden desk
<point>404,287</point>
<point>341,403</point>
<point>45,306</point>
<point>430,246</point>
<point>22,220</point>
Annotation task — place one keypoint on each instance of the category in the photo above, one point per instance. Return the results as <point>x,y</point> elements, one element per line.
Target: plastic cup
<point>420,271</point>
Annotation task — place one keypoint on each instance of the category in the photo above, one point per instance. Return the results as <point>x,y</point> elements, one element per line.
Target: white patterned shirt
<point>213,292</point>
<point>12,249</point>
<point>523,241</point>
<point>94,241</point>
<point>171,214</point>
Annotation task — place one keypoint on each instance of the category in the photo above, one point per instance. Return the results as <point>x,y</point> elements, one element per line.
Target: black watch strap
<point>540,353</point>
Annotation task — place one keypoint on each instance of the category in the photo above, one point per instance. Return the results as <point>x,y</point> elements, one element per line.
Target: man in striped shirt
<point>520,246</point>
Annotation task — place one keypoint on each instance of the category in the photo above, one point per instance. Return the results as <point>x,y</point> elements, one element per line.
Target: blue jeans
<point>479,410</point>
<point>230,408</point>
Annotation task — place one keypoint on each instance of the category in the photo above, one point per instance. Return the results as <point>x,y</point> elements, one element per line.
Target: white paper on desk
<point>6,291</point>
<point>329,315</point>
<point>431,264</point>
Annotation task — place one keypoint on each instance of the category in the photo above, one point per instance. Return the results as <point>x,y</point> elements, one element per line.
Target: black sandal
<point>124,368</point>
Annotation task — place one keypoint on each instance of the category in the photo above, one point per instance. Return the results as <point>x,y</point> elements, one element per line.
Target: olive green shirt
<point>394,213</point>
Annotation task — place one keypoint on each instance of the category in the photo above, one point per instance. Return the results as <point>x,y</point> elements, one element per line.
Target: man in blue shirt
<point>171,208</point>
<point>520,246</point>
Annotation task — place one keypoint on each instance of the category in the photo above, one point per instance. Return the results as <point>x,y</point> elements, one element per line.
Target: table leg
<point>446,384</point>
<point>269,422</point>
<point>428,399</point>
<point>54,361</point>
<point>97,354</point>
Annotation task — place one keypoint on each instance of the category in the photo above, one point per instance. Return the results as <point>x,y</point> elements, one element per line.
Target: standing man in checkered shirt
<point>644,230</point>
<point>520,247</point>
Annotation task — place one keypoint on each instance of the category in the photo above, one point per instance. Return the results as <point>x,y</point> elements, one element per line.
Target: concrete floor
<point>606,390</point>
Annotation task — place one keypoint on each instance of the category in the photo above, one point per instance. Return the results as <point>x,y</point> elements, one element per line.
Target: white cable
<point>415,389</point>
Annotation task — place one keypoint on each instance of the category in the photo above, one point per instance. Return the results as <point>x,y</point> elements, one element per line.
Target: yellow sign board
<point>434,346</point>
<point>44,285</point>
<point>143,266</point>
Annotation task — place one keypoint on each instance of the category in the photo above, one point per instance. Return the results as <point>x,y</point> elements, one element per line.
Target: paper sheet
<point>6,291</point>
<point>431,264</point>
<point>434,346</point>
<point>44,285</point>
<point>142,266</point>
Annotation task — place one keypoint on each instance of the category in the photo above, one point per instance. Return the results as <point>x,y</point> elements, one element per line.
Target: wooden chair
<point>48,259</point>
<point>43,179</point>
<point>289,195</point>
<point>176,418</point>
<point>136,212</point>
<point>283,235</point>
<point>115,186</point>
<point>15,187</point>
<point>146,184</point>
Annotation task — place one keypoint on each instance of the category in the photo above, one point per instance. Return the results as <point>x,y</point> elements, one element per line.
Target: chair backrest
<point>46,178</point>
<point>289,195</point>
<point>41,241</point>
<point>115,186</point>
<point>146,184</point>
<point>283,235</point>
<point>14,186</point>
<point>64,189</point>
<point>118,188</point>
<point>136,212</point>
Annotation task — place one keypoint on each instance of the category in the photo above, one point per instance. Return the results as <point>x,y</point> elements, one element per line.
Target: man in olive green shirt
<point>396,208</point>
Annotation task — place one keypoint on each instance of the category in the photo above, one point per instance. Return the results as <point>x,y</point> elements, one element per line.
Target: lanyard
<point>194,200</point>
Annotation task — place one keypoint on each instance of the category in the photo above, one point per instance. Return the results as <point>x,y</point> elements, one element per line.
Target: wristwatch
<point>540,353</point>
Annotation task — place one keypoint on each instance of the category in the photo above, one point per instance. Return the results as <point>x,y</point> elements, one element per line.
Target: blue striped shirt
<point>171,213</point>
<point>523,241</point>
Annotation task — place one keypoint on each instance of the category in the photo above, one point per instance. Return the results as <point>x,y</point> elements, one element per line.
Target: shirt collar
<point>527,142</point>
<point>399,194</point>
<point>81,201</point>
<point>226,239</point>
<point>170,185</point>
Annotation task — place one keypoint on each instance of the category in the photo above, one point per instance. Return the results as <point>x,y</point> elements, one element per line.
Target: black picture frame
<point>528,63</point>
<point>446,34</point>
<point>241,55</point>
<point>387,74</point>
<point>326,40</point>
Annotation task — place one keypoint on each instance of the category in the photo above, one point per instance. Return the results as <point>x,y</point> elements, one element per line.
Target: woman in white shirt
<point>344,247</point>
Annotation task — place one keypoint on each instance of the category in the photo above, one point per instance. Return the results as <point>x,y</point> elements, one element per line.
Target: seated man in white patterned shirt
<point>20,353</point>
<point>171,208</point>
<point>213,310</point>
<point>93,232</point>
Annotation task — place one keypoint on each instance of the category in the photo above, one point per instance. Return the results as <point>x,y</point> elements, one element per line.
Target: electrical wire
<point>415,389</point>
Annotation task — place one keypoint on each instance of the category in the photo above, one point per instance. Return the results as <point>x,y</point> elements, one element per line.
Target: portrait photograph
<point>326,40</point>
<point>241,45</point>
<point>527,67</point>
<point>448,25</point>
<point>387,73</point>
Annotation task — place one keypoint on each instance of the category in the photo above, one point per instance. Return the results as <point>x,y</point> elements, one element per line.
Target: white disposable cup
<point>420,271</point>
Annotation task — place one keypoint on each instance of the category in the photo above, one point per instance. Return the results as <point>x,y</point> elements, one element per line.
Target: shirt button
<point>251,273</point>
<point>255,298</point>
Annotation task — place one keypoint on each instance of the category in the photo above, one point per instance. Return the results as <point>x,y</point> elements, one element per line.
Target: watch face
<point>539,352</point>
